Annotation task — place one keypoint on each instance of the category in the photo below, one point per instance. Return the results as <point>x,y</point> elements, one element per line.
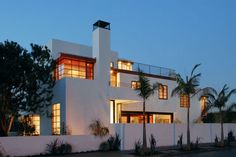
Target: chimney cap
<point>101,24</point>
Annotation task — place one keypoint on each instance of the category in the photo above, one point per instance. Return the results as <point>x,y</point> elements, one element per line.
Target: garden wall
<point>166,134</point>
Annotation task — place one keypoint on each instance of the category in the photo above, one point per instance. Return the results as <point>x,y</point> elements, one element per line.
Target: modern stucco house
<point>92,82</point>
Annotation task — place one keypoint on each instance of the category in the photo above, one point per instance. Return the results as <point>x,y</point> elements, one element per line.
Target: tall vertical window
<point>125,65</point>
<point>74,66</point>
<point>163,92</point>
<point>36,122</point>
<point>113,78</point>
<point>203,103</point>
<point>135,84</point>
<point>184,100</point>
<point>56,126</point>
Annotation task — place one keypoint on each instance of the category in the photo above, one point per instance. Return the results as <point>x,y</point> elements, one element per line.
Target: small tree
<point>219,101</point>
<point>145,91</point>
<point>26,82</point>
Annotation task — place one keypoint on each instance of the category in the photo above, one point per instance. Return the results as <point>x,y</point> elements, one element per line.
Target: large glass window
<point>163,92</point>
<point>56,125</point>
<point>125,65</point>
<point>75,67</point>
<point>184,100</point>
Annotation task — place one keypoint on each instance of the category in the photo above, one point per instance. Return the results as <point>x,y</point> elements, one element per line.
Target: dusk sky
<point>170,33</point>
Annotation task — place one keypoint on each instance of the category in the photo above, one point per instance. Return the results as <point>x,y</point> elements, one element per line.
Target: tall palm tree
<point>145,90</point>
<point>219,101</point>
<point>188,88</point>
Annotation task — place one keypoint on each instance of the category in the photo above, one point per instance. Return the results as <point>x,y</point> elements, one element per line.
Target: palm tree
<point>145,90</point>
<point>219,101</point>
<point>187,88</point>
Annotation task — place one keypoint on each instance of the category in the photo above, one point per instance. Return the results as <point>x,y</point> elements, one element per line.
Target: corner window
<point>184,100</point>
<point>135,84</point>
<point>75,67</point>
<point>163,92</point>
<point>56,125</point>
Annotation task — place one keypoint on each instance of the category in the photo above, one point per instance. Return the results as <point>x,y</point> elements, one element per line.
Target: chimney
<point>102,51</point>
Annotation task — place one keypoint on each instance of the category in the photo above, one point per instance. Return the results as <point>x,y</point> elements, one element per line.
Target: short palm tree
<point>188,88</point>
<point>219,101</point>
<point>145,90</point>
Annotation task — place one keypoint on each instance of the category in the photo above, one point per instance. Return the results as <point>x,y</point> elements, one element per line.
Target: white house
<point>92,82</point>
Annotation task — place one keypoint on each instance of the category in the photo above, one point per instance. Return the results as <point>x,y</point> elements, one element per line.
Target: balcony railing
<point>149,69</point>
<point>154,70</point>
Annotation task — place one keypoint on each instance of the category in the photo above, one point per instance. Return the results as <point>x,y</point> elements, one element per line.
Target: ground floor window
<point>56,125</point>
<point>151,117</point>
<point>36,122</point>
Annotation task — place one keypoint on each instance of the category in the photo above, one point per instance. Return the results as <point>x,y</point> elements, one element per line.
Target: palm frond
<point>194,68</point>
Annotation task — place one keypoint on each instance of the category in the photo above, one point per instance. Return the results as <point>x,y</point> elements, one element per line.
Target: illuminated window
<point>203,103</point>
<point>74,66</point>
<point>135,84</point>
<point>113,78</point>
<point>163,92</point>
<point>112,64</point>
<point>184,100</point>
<point>36,122</point>
<point>125,65</point>
<point>56,119</point>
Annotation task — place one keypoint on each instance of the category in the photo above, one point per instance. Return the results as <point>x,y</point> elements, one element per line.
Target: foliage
<point>230,137</point>
<point>58,147</point>
<point>153,144</point>
<point>219,101</point>
<point>188,87</point>
<point>97,129</point>
<point>26,126</point>
<point>145,90</point>
<point>26,82</point>
<point>180,141</point>
<point>112,144</point>
<point>65,130</point>
<point>137,147</point>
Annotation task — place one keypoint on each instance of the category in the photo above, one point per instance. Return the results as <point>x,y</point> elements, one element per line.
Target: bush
<point>58,147</point>
<point>112,144</point>
<point>137,147</point>
<point>153,144</point>
<point>230,137</point>
<point>97,129</point>
<point>180,141</point>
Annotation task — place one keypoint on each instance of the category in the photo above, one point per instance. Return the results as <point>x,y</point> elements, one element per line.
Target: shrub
<point>153,143</point>
<point>137,147</point>
<point>230,137</point>
<point>97,129</point>
<point>112,144</point>
<point>58,147</point>
<point>180,141</point>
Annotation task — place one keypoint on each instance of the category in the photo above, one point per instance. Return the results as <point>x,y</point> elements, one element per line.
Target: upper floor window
<point>113,78</point>
<point>163,92</point>
<point>135,84</point>
<point>184,100</point>
<point>74,66</point>
<point>125,65</point>
<point>112,64</point>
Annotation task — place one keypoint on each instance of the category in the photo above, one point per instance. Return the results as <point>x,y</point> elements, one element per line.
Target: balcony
<point>147,69</point>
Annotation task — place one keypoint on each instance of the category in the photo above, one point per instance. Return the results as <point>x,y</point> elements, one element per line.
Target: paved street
<point>219,153</point>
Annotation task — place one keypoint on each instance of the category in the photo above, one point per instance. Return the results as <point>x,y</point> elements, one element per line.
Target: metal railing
<point>154,70</point>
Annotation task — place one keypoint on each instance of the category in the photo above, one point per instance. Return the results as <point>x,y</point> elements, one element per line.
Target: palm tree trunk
<point>188,129</point>
<point>144,129</point>
<point>222,128</point>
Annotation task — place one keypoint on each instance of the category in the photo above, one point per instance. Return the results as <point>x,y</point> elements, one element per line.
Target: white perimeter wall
<point>166,135</point>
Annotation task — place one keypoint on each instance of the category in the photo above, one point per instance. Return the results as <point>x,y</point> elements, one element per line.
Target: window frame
<point>163,92</point>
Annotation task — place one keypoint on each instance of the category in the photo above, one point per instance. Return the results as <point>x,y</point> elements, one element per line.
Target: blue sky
<point>170,33</point>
